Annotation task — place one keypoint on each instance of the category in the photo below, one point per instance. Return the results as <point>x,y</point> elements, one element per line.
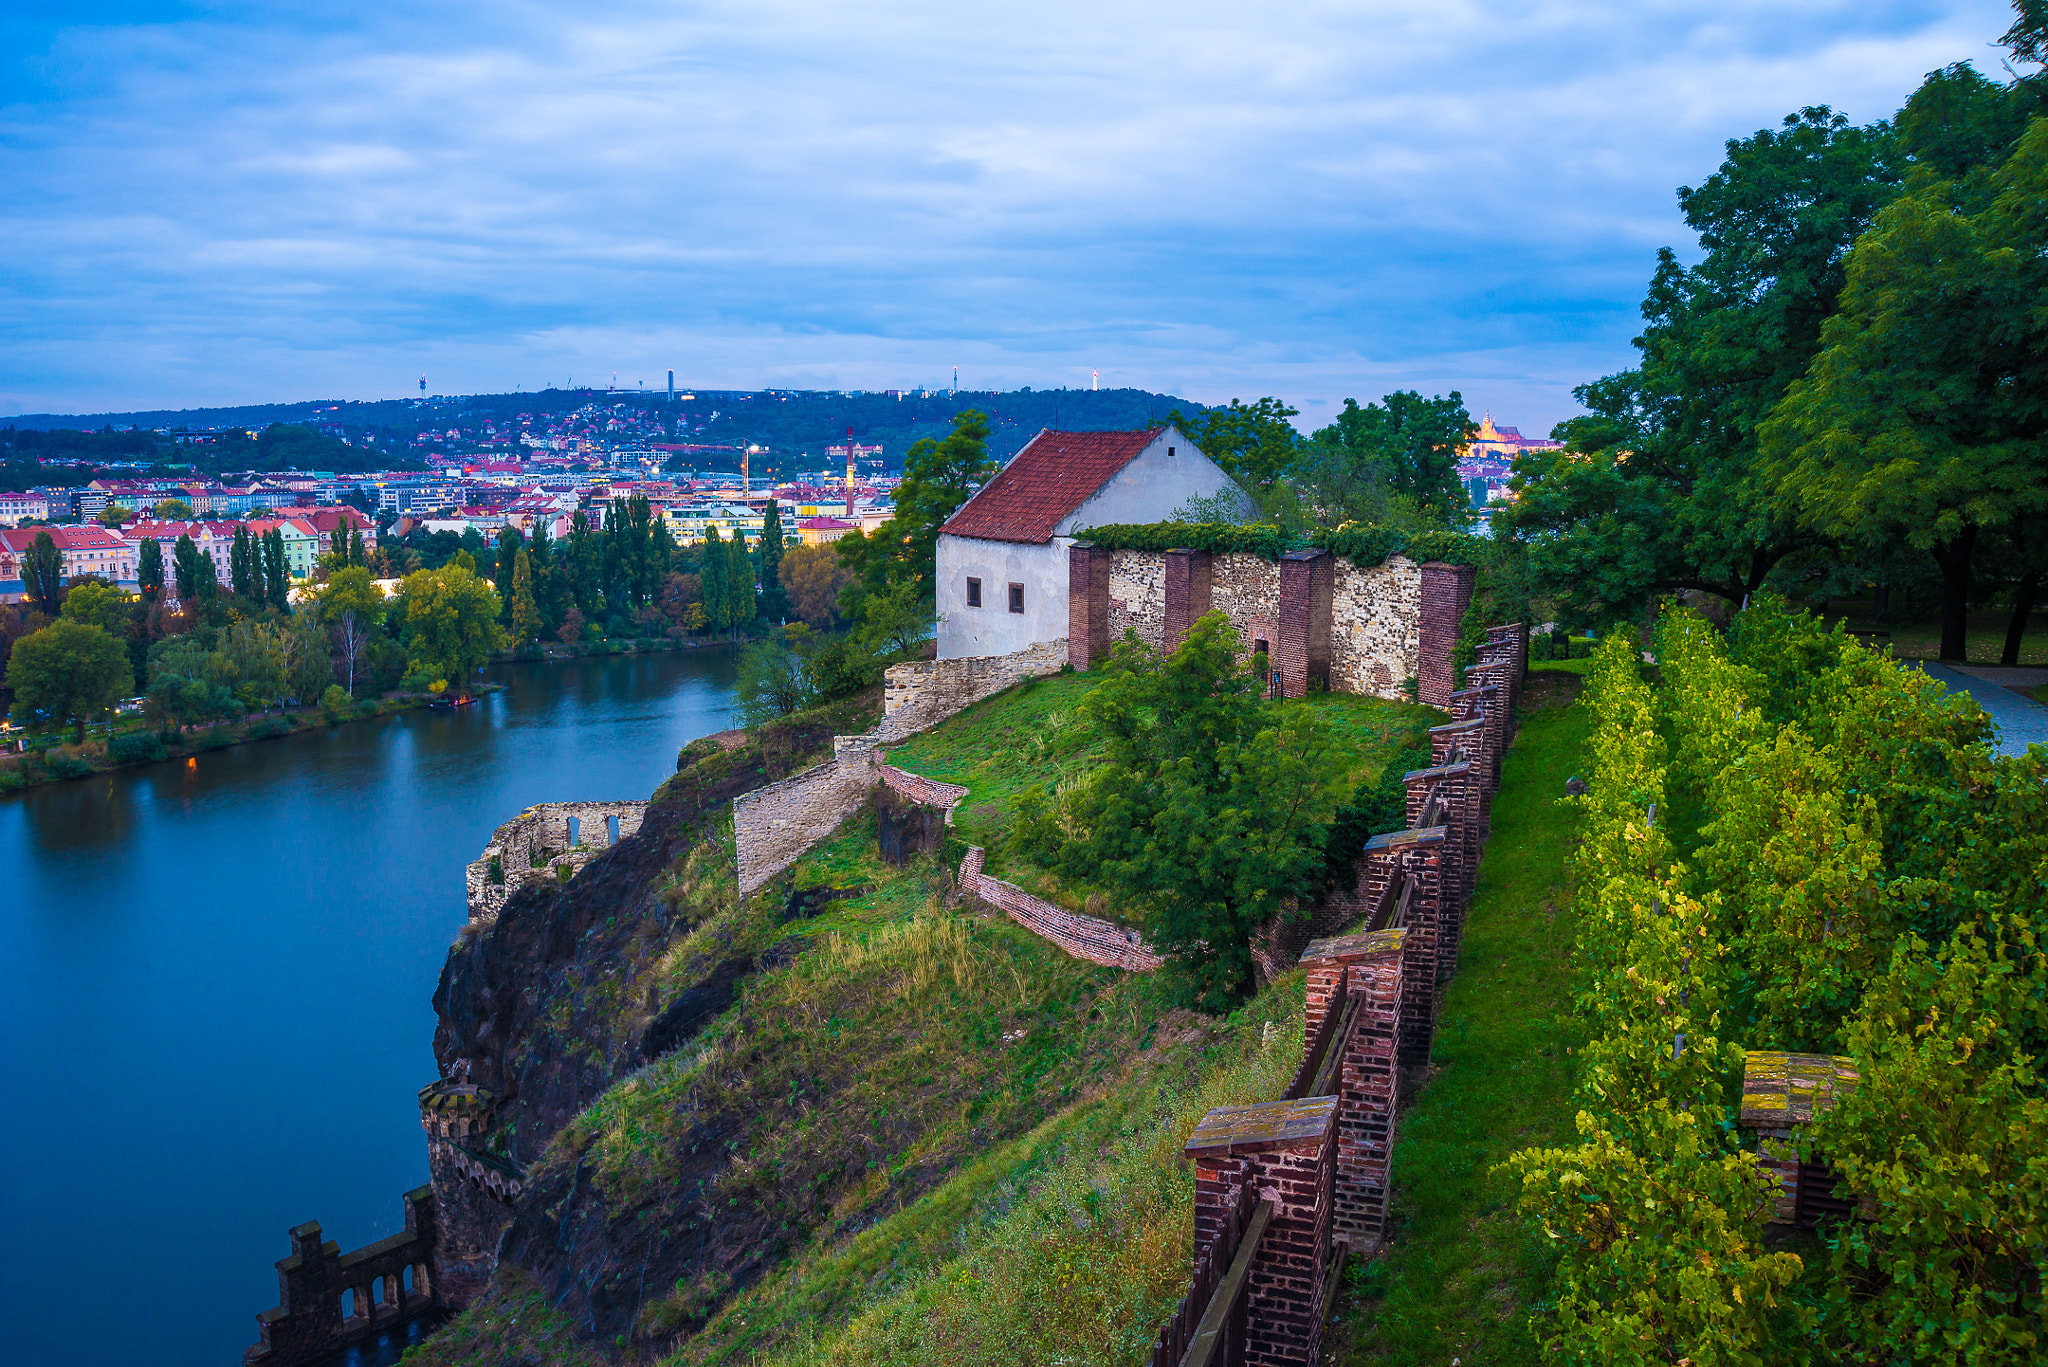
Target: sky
<point>220,203</point>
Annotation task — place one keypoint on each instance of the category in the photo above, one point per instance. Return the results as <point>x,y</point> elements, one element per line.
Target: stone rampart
<point>775,826</point>
<point>533,845</point>
<point>923,693</point>
<point>328,1301</point>
<point>1083,936</point>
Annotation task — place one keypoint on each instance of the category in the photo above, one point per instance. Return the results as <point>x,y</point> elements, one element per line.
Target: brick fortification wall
<point>1316,1164</point>
<point>1083,936</point>
<point>1356,630</point>
<point>542,833</point>
<point>775,826</point>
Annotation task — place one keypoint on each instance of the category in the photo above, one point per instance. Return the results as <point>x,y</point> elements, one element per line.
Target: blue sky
<point>227,203</point>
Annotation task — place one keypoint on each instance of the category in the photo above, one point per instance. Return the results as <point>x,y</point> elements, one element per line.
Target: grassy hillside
<point>919,1134</point>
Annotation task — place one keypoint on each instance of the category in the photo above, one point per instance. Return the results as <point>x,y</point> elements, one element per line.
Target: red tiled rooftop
<point>1054,474</point>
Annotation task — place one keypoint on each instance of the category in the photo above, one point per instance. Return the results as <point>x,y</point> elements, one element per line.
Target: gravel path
<point>2021,721</point>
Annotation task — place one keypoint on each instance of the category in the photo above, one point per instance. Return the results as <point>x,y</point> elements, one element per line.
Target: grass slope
<point>1461,1274</point>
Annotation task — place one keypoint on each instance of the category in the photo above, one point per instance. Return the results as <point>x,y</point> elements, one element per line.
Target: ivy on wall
<point>1362,544</point>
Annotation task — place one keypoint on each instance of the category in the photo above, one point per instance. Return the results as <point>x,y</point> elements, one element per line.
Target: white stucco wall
<point>1152,486</point>
<point>992,629</point>
<point>1148,489</point>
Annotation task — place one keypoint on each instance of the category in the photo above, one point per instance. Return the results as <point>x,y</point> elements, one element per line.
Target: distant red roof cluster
<point>1054,474</point>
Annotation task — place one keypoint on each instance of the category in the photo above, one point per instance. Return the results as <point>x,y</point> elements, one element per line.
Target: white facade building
<point>1002,559</point>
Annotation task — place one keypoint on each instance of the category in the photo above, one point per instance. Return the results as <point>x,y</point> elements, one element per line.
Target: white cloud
<point>1327,200</point>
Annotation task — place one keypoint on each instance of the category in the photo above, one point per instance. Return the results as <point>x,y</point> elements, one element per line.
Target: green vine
<point>1362,544</point>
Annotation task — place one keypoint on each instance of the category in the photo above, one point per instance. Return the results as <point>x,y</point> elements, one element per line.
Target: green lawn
<point>1033,735</point>
<point>1922,640</point>
<point>1461,1272</point>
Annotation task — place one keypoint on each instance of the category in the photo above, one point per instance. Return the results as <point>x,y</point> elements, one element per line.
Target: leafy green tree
<point>337,544</point>
<point>307,658</point>
<point>250,660</point>
<point>184,687</point>
<point>1920,421</point>
<point>98,603</point>
<point>525,615</point>
<point>352,608</point>
<point>172,510</point>
<point>356,554</point>
<point>938,476</point>
<point>150,572</point>
<point>68,671</point>
<point>583,562</point>
<point>113,515</point>
<point>1206,814</point>
<point>1407,442</point>
<point>1659,487</point>
<point>42,574</point>
<point>451,621</point>
<point>771,681</point>
<point>1255,443</point>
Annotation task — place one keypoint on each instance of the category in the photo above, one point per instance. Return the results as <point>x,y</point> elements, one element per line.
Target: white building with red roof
<point>1002,560</point>
<point>85,550</point>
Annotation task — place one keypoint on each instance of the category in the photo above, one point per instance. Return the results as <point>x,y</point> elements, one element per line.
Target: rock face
<point>546,1004</point>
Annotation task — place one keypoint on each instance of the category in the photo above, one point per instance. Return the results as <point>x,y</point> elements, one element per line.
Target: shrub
<point>334,704</point>
<point>66,766</point>
<point>219,738</point>
<point>137,747</point>
<point>266,730</point>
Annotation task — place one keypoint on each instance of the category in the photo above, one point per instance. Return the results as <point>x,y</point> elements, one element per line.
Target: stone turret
<point>473,1188</point>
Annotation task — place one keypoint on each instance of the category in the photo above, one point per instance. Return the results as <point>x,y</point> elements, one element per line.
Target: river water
<point>216,986</point>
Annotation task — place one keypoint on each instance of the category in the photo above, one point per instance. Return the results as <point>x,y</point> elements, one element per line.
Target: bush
<point>66,766</point>
<point>219,738</point>
<point>266,730</point>
<point>333,704</point>
<point>137,747</point>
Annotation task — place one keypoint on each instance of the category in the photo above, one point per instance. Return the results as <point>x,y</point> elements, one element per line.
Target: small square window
<point>974,593</point>
<point>1016,598</point>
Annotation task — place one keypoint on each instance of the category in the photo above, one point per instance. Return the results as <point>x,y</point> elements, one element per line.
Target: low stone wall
<point>1085,937</point>
<point>920,695</point>
<point>533,844</point>
<point>775,826</point>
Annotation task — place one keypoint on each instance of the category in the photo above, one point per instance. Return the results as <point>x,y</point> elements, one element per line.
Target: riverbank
<point>135,746</point>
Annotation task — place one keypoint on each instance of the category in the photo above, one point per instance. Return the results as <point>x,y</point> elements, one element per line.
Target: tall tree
<point>525,615</point>
<point>149,572</point>
<point>1659,487</point>
<point>741,604</point>
<point>716,592</point>
<point>98,603</point>
<point>242,580</point>
<point>192,570</point>
<point>277,577</point>
<point>337,543</point>
<point>68,671</point>
<point>352,608</point>
<point>1921,420</point>
<point>1207,812</point>
<point>774,601</point>
<point>42,574</point>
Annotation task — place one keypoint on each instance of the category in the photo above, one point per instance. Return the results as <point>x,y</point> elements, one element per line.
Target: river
<point>218,983</point>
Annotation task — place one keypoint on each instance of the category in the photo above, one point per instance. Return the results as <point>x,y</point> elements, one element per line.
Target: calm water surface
<point>217,993</point>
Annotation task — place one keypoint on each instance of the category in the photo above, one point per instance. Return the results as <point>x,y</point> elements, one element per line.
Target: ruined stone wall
<point>328,1300</point>
<point>775,826</point>
<point>1375,627</point>
<point>530,846</point>
<point>1083,936</point>
<point>1137,596</point>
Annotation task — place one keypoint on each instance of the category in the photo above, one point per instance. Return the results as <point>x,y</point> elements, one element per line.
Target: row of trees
<point>1849,383</point>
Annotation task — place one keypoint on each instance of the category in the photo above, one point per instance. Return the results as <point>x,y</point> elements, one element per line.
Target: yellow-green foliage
<point>1867,879</point>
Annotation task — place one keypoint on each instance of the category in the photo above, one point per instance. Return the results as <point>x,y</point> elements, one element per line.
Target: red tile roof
<point>1054,474</point>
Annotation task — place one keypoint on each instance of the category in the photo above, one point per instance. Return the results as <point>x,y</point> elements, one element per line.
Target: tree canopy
<point>68,671</point>
<point>450,618</point>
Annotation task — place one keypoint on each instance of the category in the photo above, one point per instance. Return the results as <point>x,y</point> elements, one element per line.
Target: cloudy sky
<point>237,202</point>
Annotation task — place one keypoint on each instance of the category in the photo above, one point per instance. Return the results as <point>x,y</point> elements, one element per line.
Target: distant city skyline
<point>244,203</point>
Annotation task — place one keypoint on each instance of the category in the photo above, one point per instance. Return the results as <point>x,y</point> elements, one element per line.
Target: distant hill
<point>791,423</point>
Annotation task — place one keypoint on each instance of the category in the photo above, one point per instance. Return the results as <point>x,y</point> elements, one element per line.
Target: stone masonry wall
<point>1375,627</point>
<point>775,826</point>
<point>1137,596</point>
<point>1246,589</point>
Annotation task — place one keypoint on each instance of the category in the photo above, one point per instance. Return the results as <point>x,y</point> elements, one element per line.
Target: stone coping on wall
<point>1077,933</point>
